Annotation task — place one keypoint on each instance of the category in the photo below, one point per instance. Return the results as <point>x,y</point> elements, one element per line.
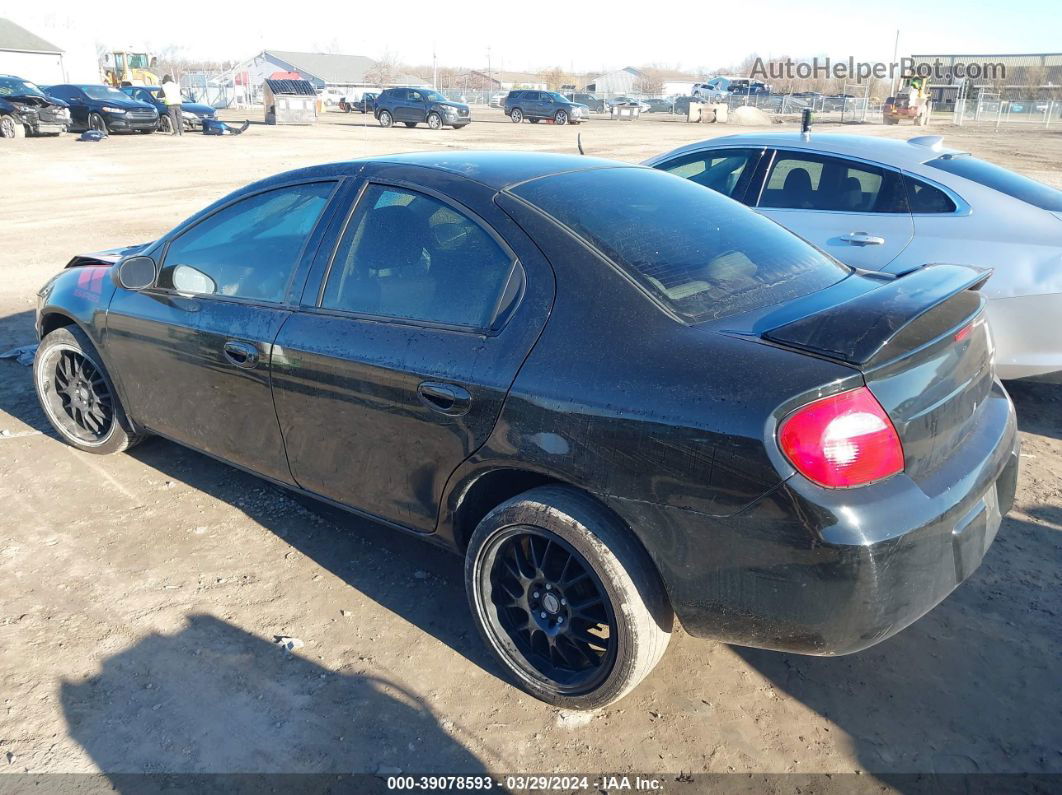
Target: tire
<point>435,121</point>
<point>410,124</point>
<point>385,119</point>
<point>534,121</point>
<point>561,118</point>
<point>516,115</point>
<point>85,410</point>
<point>165,126</point>
<point>10,127</point>
<point>555,541</point>
<point>97,122</point>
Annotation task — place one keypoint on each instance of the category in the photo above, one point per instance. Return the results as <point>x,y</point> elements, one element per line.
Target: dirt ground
<point>140,594</point>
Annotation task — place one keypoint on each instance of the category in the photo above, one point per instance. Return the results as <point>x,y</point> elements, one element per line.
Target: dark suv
<point>538,105</point>
<point>412,106</point>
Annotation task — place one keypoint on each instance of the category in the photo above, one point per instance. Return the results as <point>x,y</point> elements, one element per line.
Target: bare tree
<point>557,77</point>
<point>649,81</point>
<point>384,71</point>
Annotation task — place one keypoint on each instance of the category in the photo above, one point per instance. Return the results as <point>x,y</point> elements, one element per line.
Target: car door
<point>731,171</point>
<point>395,369</point>
<point>78,105</point>
<point>855,211</point>
<point>417,106</point>
<point>192,352</point>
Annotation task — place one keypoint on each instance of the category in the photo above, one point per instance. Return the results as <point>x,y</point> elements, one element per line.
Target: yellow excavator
<point>128,68</point>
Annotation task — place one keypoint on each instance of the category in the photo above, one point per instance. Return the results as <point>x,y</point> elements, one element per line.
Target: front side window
<point>801,181</point>
<point>250,248</point>
<point>701,255</point>
<point>722,170</point>
<point>408,256</point>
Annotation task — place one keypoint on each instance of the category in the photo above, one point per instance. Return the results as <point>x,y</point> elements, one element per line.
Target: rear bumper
<point>820,571</point>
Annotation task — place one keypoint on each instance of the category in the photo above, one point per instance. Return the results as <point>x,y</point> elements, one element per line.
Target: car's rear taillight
<point>842,441</point>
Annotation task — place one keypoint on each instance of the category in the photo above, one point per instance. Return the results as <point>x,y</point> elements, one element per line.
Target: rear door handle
<point>863,239</point>
<point>444,398</point>
<point>241,354</point>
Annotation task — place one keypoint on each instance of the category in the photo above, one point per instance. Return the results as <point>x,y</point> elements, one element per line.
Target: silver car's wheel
<point>385,119</point>
<point>517,115</point>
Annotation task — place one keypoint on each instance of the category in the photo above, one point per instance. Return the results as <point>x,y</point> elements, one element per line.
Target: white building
<point>28,56</point>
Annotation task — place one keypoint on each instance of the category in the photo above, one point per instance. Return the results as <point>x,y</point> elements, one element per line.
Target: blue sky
<point>586,36</point>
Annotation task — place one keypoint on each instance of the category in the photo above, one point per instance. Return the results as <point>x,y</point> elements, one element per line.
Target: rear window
<point>701,254</point>
<point>992,176</point>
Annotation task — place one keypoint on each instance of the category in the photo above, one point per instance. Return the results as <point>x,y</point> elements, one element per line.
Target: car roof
<point>888,151</point>
<point>493,169</point>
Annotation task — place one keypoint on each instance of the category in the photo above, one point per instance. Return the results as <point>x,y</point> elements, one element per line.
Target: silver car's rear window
<point>992,176</point>
<point>701,254</point>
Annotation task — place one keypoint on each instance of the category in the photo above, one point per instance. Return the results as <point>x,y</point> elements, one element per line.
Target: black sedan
<point>104,108</point>
<point>653,403</point>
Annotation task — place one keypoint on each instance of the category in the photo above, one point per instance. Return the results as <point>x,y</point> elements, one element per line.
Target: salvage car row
<point>29,109</point>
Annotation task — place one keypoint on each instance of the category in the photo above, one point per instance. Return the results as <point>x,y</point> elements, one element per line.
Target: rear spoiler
<point>859,331</point>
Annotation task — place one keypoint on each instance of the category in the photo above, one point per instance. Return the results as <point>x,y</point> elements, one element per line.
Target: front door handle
<point>444,398</point>
<point>863,239</point>
<point>241,354</point>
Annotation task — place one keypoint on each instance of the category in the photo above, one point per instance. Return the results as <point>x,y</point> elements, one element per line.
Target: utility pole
<point>490,77</point>
<point>434,68</point>
<point>895,56</point>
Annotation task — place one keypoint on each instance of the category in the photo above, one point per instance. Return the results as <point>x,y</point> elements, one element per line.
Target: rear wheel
<point>566,598</point>
<point>517,115</point>
<point>10,127</point>
<point>97,122</point>
<point>385,118</point>
<point>434,121</point>
<point>77,394</point>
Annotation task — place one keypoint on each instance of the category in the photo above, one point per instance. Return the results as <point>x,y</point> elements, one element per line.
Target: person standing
<point>171,95</point>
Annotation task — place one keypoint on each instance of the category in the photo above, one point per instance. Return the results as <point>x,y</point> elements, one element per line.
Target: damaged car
<point>656,404</point>
<point>26,110</point>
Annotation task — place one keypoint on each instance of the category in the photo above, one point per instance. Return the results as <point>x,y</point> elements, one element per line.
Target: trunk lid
<point>923,346</point>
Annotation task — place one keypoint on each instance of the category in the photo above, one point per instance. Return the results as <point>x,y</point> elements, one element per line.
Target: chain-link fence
<point>984,107</point>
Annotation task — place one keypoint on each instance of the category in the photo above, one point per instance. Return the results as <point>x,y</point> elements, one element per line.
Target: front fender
<point>81,295</point>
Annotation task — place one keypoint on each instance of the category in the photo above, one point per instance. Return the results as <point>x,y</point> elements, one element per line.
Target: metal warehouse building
<point>29,56</point>
<point>1028,71</point>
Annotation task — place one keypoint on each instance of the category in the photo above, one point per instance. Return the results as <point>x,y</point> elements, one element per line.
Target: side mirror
<point>136,273</point>
<point>187,279</point>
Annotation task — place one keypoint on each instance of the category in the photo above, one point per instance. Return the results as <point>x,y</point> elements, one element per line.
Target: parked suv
<point>25,110</point>
<point>595,104</point>
<point>412,106</point>
<point>105,108</point>
<point>538,105</point>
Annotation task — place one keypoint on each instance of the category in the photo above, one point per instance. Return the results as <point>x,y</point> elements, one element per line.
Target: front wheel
<point>435,121</point>
<point>566,598</point>
<point>97,122</point>
<point>78,396</point>
<point>385,119</point>
<point>561,117</point>
<point>517,115</point>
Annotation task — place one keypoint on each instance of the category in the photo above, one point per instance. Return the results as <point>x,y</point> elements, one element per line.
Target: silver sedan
<point>894,206</point>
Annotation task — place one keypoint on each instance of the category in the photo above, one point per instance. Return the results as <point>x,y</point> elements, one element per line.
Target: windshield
<point>434,96</point>
<point>103,92</point>
<point>13,87</point>
<point>557,97</point>
<point>701,254</point>
<point>138,61</point>
<point>992,176</point>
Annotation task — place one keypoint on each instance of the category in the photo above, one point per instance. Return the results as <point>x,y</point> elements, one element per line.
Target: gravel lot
<point>140,594</point>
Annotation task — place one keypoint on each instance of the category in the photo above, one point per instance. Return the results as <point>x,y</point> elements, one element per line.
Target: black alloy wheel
<point>549,608</point>
<point>79,399</point>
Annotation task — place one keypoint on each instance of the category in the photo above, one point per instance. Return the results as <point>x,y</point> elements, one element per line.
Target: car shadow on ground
<point>1039,406</point>
<point>17,398</point>
<point>375,559</point>
<point>213,697</point>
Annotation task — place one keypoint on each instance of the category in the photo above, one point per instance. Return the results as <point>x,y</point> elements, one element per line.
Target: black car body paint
<point>586,381</point>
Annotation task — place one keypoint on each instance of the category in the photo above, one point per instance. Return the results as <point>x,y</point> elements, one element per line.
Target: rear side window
<point>924,198</point>
<point>250,248</point>
<point>816,182</point>
<point>992,176</point>
<point>699,253</point>
<point>406,255</point>
<point>724,170</point>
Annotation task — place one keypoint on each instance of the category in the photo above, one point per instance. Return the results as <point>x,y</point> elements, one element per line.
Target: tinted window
<point>250,248</point>
<point>815,182</point>
<point>720,170</point>
<point>992,176</point>
<point>924,198</point>
<point>408,256</point>
<point>701,254</point>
